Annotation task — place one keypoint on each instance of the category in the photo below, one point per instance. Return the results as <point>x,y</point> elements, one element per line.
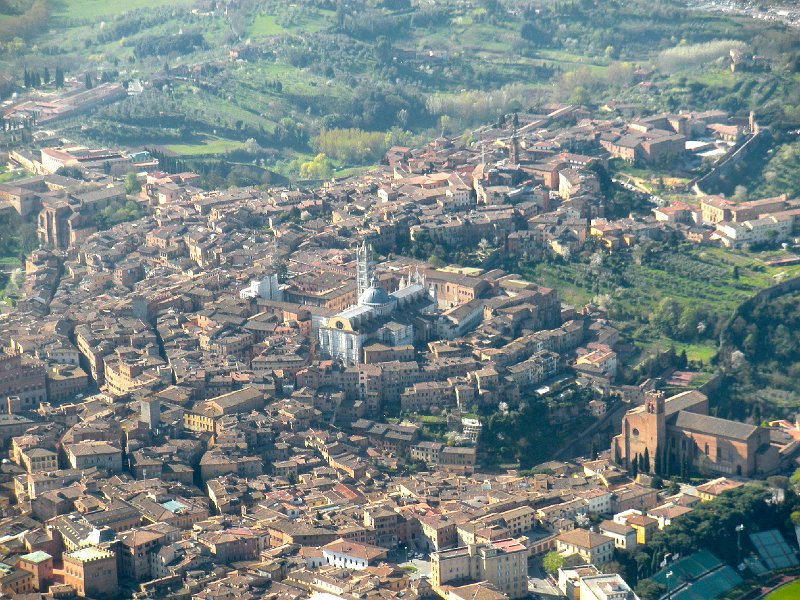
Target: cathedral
<point>379,316</point>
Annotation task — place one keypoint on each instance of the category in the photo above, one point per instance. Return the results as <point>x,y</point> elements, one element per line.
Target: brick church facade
<point>677,430</point>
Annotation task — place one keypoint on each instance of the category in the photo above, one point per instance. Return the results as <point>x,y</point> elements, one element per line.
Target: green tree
<point>665,317</point>
<point>650,590</point>
<point>132,185</point>
<point>552,561</point>
<point>687,324</point>
<point>683,360</point>
<point>281,269</point>
<point>87,81</point>
<point>794,480</point>
<point>317,168</point>
<point>579,96</point>
<point>642,560</point>
<point>383,50</point>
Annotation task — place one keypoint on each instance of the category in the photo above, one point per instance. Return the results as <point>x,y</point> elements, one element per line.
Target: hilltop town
<point>310,391</point>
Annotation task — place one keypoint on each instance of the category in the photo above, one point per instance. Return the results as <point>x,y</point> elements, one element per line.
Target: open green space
<point>6,175</point>
<point>710,277</point>
<point>697,352</point>
<point>431,419</point>
<point>790,591</point>
<point>96,9</point>
<point>210,145</point>
<point>264,25</point>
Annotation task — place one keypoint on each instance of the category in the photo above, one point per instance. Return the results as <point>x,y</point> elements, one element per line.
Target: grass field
<point>265,25</point>
<point>790,591</point>
<point>211,145</point>
<point>568,60</point>
<point>95,9</point>
<point>268,25</point>
<point>9,262</point>
<point>6,175</point>
<point>696,352</point>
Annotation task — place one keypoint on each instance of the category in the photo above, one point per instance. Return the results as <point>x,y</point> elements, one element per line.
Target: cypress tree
<point>654,563</point>
<point>647,460</point>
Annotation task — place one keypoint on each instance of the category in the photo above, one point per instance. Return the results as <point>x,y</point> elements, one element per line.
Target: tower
<point>655,426</point>
<point>363,268</point>
<point>151,412</point>
<point>513,149</point>
<point>644,433</point>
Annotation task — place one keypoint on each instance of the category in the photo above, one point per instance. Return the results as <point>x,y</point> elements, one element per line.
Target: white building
<point>352,555</point>
<point>770,228</point>
<point>598,500</point>
<point>472,429</point>
<point>624,535</point>
<point>267,288</point>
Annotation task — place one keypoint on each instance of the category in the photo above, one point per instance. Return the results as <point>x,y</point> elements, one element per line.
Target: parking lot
<point>416,562</point>
<point>421,568</point>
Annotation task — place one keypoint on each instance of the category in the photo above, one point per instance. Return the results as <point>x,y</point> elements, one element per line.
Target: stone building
<point>92,571</point>
<point>503,563</point>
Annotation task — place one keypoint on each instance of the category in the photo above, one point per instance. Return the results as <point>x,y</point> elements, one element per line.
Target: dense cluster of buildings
<point>195,402</point>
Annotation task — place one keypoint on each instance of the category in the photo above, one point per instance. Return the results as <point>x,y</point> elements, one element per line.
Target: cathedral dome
<point>374,296</point>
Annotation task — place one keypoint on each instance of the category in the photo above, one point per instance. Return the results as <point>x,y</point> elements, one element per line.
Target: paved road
<point>537,581</point>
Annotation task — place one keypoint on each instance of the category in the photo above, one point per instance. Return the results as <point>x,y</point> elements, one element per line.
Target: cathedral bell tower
<point>363,268</point>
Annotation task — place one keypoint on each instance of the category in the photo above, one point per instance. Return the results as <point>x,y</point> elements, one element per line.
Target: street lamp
<point>739,530</point>
<point>669,585</point>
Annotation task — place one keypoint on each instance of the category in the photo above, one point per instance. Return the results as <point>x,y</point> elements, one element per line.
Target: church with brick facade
<point>671,434</point>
